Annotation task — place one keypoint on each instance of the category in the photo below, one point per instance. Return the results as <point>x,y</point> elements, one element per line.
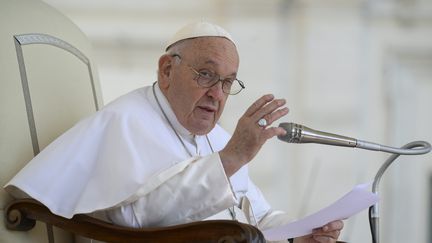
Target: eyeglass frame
<point>217,78</point>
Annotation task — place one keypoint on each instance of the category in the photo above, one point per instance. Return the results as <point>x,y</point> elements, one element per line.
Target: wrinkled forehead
<point>218,49</point>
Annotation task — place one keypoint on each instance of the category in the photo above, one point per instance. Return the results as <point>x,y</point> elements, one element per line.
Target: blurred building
<point>354,67</point>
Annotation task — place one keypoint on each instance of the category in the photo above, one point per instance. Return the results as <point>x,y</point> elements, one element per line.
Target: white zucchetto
<point>199,29</point>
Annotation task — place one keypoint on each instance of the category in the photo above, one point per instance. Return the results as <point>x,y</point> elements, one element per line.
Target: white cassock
<point>126,164</point>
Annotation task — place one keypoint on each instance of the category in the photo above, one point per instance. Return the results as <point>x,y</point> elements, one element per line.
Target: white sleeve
<point>196,192</point>
<point>261,211</point>
<point>273,219</point>
<point>259,205</point>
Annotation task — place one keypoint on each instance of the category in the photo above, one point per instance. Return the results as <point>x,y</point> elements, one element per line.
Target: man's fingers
<point>329,232</point>
<point>324,239</point>
<point>273,131</point>
<point>270,118</point>
<point>335,225</point>
<point>268,109</point>
<point>259,104</point>
<point>332,234</point>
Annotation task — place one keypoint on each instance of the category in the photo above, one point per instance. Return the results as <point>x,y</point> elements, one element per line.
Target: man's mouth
<point>208,108</point>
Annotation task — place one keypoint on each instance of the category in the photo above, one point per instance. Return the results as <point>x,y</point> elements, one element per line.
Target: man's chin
<point>203,129</point>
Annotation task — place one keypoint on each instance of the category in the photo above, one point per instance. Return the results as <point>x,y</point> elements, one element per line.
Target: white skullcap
<point>199,29</point>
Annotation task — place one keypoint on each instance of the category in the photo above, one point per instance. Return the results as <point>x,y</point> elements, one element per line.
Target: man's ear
<point>165,67</point>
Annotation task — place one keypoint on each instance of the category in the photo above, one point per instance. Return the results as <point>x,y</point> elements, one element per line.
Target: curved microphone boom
<point>301,134</point>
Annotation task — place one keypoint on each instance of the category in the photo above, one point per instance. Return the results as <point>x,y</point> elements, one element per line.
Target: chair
<point>48,83</point>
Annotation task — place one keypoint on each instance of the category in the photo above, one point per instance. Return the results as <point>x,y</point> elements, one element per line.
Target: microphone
<point>301,134</point>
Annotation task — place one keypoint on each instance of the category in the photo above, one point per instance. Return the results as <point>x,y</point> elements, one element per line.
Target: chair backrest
<point>47,83</point>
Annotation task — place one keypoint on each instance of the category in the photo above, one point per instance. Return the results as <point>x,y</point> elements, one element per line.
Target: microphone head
<point>294,132</point>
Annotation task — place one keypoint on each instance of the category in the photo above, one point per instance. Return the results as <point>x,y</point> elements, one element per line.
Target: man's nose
<point>216,91</point>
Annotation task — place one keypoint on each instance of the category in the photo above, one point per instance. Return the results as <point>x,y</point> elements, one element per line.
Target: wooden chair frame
<point>22,214</point>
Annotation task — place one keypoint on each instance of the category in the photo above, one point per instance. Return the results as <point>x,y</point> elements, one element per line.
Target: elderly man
<point>157,156</point>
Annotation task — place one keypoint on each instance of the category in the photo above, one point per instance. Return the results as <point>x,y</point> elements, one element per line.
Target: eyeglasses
<point>207,78</point>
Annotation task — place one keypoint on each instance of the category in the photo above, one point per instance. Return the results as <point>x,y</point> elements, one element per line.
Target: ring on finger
<point>262,122</point>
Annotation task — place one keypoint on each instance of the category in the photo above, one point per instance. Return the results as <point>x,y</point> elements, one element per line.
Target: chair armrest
<point>21,215</point>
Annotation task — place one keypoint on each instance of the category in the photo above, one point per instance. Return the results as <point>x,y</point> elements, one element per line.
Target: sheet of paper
<point>356,200</point>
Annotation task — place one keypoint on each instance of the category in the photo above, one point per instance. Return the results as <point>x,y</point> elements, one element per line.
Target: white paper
<point>356,200</point>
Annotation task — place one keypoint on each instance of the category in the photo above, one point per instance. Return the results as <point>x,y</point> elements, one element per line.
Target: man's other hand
<point>329,233</point>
